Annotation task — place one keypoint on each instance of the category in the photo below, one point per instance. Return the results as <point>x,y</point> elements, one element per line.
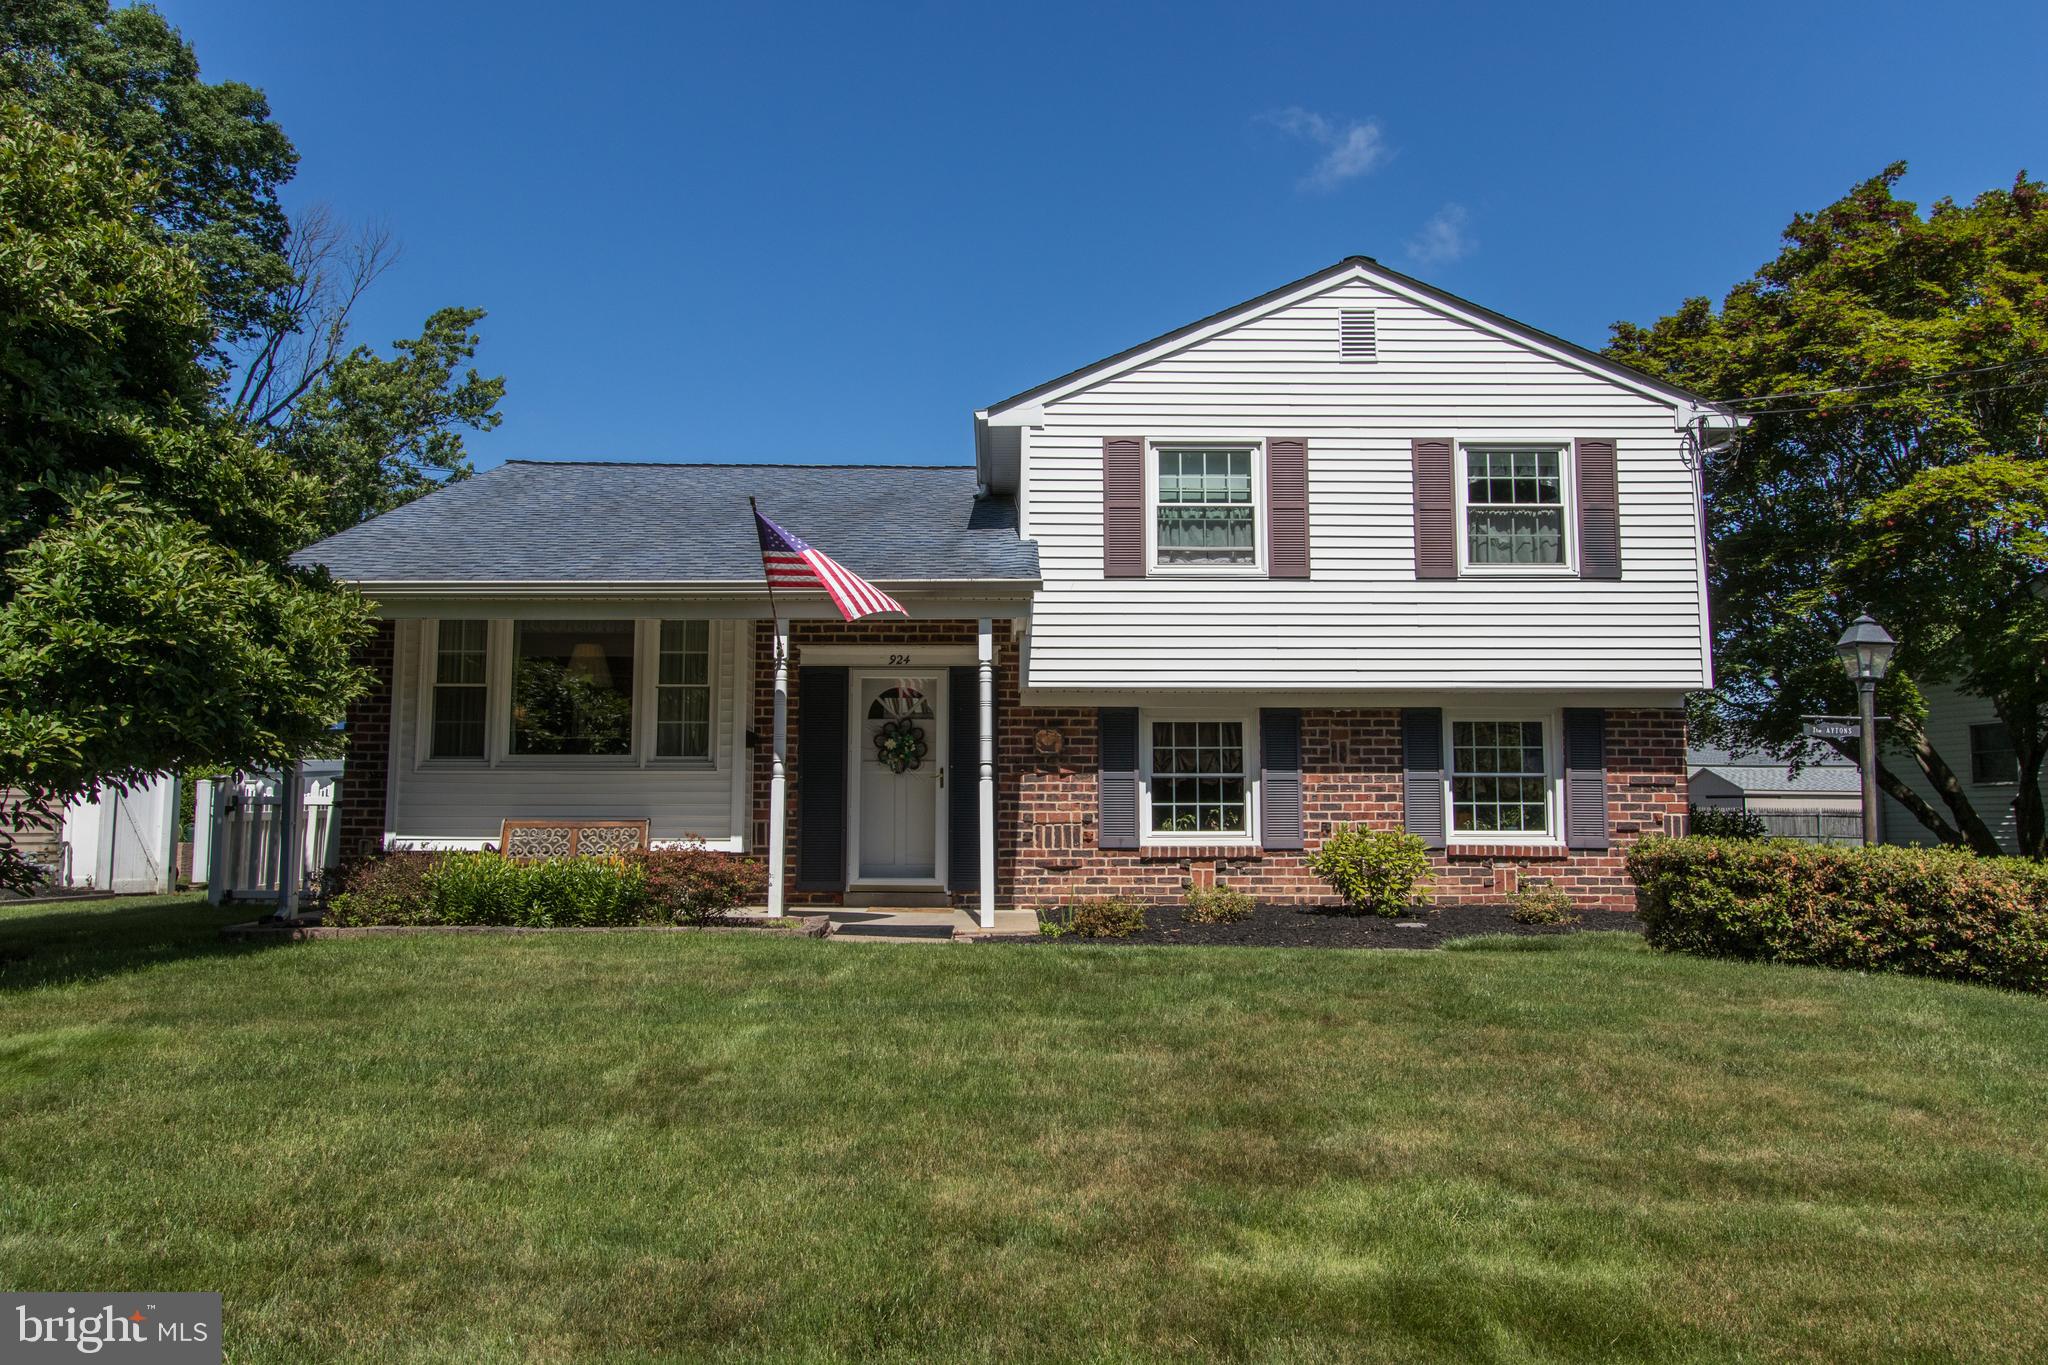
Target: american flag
<point>790,563</point>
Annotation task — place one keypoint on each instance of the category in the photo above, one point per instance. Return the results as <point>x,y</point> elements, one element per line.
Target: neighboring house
<point>1820,801</point>
<point>1353,551</point>
<point>1966,732</point>
<point>32,831</point>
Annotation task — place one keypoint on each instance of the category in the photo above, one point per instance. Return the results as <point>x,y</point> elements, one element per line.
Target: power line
<point>1886,383</point>
<point>1846,407</point>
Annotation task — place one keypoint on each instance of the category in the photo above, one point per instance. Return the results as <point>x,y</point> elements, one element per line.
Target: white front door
<point>900,752</point>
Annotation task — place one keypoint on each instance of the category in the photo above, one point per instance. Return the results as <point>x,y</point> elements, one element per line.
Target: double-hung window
<point>1992,760</point>
<point>1206,508</point>
<point>1514,507</point>
<point>1500,778</point>
<point>1197,780</point>
<point>461,686</point>
<point>682,691</point>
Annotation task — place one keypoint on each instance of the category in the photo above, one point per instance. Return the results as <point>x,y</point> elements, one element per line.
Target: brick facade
<point>363,783</point>
<point>1351,773</point>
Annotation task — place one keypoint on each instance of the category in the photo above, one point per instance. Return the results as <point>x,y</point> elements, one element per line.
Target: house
<point>1819,800</point>
<point>1356,550</point>
<point>1965,730</point>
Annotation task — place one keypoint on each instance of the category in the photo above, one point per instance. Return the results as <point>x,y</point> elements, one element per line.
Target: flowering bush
<point>1916,911</point>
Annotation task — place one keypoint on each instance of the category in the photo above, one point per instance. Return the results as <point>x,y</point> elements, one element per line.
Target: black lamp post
<point>1866,652</point>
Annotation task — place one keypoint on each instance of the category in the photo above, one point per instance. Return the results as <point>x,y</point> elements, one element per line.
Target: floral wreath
<point>900,746</point>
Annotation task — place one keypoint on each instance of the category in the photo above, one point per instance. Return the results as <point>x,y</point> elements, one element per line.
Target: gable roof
<point>1821,772</point>
<point>564,522</point>
<point>1367,268</point>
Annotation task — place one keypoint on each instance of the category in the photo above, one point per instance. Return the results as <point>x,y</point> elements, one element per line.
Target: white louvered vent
<point>1358,335</point>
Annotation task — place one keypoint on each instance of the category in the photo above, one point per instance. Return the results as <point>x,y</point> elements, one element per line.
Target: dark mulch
<point>1291,926</point>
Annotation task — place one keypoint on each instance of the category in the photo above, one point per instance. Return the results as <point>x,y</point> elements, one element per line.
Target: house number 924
<point>899,658</point>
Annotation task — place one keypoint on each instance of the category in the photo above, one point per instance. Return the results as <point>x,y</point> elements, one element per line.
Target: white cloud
<point>1351,147</point>
<point>1443,238</point>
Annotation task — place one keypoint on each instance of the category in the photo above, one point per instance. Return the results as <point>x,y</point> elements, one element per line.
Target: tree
<point>1888,360</point>
<point>149,620</point>
<point>377,431</point>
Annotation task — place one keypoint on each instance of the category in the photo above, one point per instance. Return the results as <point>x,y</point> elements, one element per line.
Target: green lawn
<point>640,1147</point>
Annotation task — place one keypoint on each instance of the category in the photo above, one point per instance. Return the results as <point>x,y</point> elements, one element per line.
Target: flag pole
<point>774,620</point>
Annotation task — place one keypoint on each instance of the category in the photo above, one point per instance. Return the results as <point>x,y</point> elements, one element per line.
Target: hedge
<point>1915,911</point>
<point>669,886</point>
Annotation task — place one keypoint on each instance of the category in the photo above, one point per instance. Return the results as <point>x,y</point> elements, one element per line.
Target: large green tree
<point>375,430</point>
<point>148,618</point>
<point>1894,365</point>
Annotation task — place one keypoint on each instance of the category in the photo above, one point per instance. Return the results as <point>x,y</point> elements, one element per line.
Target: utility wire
<point>1847,407</point>
<point>1886,383</point>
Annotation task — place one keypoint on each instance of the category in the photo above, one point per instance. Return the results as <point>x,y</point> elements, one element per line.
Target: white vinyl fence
<point>245,854</point>
<point>122,840</point>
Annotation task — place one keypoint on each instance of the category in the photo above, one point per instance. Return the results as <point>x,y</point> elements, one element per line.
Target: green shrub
<point>1721,822</point>
<point>1218,904</point>
<point>1377,872</point>
<point>1112,917</point>
<point>483,888</point>
<point>1915,911</point>
<point>1541,902</point>
<point>698,886</point>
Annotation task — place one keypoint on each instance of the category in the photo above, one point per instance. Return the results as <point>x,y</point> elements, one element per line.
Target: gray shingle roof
<point>560,521</point>
<point>1822,773</point>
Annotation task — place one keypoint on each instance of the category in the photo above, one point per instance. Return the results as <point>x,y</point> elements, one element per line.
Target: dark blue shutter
<point>1279,778</point>
<point>1116,777</point>
<point>963,778</point>
<point>1422,773</point>
<point>1585,778</point>
<point>821,779</point>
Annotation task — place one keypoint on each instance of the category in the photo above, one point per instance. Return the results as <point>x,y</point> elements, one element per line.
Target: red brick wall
<point>1351,773</point>
<point>363,781</point>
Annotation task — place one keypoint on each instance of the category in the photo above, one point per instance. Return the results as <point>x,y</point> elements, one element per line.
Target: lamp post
<point>1866,652</point>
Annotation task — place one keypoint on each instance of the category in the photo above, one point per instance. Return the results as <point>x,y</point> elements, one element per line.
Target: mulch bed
<point>1293,926</point>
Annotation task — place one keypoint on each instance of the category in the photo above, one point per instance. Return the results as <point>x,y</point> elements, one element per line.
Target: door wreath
<point>900,746</point>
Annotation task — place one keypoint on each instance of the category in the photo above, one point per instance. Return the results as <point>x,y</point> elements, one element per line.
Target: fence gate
<point>247,853</point>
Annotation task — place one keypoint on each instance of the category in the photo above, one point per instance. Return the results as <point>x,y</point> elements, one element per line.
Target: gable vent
<point>1358,335</point>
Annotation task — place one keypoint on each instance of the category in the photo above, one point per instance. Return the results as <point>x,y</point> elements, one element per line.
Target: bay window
<point>1514,507</point>
<point>1197,780</point>
<point>1500,778</point>
<point>682,691</point>
<point>572,687</point>
<point>461,685</point>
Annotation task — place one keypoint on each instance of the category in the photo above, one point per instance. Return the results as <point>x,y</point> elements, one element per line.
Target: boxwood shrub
<point>1916,911</point>
<point>668,886</point>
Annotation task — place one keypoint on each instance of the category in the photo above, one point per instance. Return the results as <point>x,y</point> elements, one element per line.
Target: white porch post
<point>984,653</point>
<point>778,776</point>
<point>291,835</point>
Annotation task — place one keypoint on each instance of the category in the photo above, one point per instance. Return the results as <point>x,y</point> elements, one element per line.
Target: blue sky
<point>829,233</point>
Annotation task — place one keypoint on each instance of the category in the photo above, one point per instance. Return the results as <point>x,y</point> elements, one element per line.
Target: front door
<point>900,741</point>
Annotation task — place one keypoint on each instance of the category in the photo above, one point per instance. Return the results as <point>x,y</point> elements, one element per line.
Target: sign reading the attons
<point>1833,729</point>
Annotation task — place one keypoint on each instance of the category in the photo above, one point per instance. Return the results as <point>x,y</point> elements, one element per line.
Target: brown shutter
<point>1599,509</point>
<point>1116,777</point>
<point>1123,507</point>
<point>1585,778</point>
<point>1286,507</point>
<point>1436,551</point>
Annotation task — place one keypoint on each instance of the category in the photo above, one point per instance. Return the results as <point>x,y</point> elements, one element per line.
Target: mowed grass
<point>641,1147</point>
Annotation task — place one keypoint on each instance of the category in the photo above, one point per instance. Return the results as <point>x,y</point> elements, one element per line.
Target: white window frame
<point>1568,488</point>
<point>1257,448</point>
<point>429,679</point>
<point>647,683</point>
<point>1147,836</point>
<point>1553,774</point>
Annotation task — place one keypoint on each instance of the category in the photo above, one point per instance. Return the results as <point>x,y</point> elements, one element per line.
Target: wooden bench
<point>571,838</point>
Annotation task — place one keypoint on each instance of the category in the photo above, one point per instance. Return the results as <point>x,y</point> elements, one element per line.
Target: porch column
<point>778,776</point>
<point>984,653</point>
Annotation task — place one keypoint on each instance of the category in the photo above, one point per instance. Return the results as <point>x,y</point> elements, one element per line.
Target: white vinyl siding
<point>1951,714</point>
<point>1363,621</point>
<point>434,802</point>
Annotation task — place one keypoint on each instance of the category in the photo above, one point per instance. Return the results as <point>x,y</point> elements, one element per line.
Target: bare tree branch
<point>306,328</point>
